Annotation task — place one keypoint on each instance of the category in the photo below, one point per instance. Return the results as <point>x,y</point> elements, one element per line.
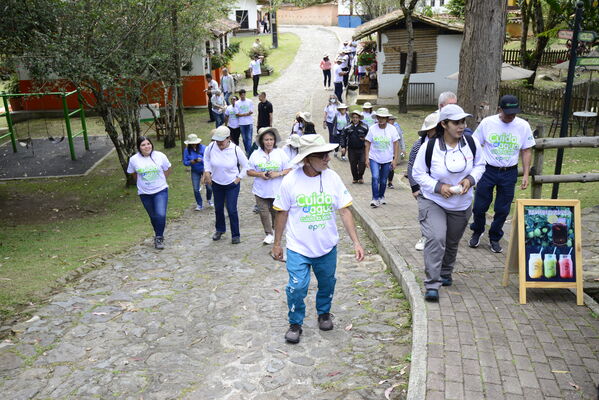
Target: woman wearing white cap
<point>193,156</point>
<point>224,164</point>
<point>381,154</point>
<point>427,131</point>
<point>306,206</point>
<point>446,168</point>
<point>268,165</point>
<point>341,121</point>
<point>330,112</point>
<point>368,117</point>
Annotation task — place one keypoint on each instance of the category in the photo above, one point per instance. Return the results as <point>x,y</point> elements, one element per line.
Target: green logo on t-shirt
<point>268,166</point>
<point>381,142</point>
<point>503,145</point>
<point>316,207</point>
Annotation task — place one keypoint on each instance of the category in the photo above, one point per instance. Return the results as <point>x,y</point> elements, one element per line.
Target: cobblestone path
<point>205,320</point>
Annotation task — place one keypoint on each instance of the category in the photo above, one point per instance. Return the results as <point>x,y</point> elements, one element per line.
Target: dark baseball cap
<point>509,104</point>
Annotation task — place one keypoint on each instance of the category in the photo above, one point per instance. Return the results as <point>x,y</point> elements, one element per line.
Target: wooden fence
<point>548,102</point>
<point>549,57</point>
<point>538,179</point>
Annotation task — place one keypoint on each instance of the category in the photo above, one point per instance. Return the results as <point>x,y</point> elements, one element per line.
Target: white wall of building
<point>250,6</point>
<point>448,62</point>
<point>200,59</point>
<point>438,6</point>
<point>343,8</point>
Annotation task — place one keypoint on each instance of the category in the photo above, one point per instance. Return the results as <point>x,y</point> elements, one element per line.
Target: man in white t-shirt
<point>503,138</point>
<point>245,110</point>
<point>306,204</point>
<point>255,67</point>
<point>338,74</point>
<point>382,154</point>
<point>227,85</point>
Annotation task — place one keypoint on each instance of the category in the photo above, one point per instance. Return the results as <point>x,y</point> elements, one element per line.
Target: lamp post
<point>273,26</point>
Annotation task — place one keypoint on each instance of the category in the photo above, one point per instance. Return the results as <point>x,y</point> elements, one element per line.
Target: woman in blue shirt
<point>193,156</point>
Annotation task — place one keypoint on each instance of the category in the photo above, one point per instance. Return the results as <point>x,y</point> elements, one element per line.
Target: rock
<point>9,361</point>
<point>65,352</point>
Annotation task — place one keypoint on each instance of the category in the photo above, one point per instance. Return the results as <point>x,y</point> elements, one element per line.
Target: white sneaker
<point>382,200</point>
<point>374,203</point>
<point>420,244</point>
<point>199,208</point>
<point>343,158</point>
<point>269,239</point>
<point>211,203</point>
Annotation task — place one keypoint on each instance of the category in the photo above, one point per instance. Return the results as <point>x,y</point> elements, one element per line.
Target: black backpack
<point>430,146</point>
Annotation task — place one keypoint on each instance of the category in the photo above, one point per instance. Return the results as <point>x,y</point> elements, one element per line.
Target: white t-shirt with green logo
<point>150,172</point>
<point>381,143</point>
<point>277,161</point>
<point>312,202</point>
<point>502,142</point>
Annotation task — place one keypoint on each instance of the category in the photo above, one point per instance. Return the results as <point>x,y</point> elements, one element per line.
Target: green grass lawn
<point>279,58</point>
<point>83,218</point>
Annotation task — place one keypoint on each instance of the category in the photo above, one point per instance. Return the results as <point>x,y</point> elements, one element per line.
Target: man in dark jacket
<point>352,140</point>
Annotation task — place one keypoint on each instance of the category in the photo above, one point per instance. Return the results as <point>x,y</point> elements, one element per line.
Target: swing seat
<point>55,141</point>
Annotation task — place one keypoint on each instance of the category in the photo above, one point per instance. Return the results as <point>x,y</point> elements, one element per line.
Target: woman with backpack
<point>224,166</point>
<point>446,168</point>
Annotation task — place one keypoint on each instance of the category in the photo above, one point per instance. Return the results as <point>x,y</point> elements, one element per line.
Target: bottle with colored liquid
<point>550,266</point>
<point>535,265</point>
<point>565,266</point>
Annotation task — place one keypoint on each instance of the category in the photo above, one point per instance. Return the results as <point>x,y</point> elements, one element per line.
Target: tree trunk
<point>481,57</point>
<point>122,150</point>
<point>542,41</point>
<point>405,84</point>
<point>525,9</point>
<point>402,95</point>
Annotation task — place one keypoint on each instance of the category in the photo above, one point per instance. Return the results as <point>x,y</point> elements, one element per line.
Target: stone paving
<point>205,320</point>
<point>481,342</point>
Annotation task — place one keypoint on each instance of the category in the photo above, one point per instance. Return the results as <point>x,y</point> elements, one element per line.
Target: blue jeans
<point>339,90</point>
<point>483,196</point>
<point>195,183</point>
<point>227,95</point>
<point>298,267</point>
<point>226,195</point>
<point>380,174</point>
<point>219,119</point>
<point>155,204</point>
<point>246,136</point>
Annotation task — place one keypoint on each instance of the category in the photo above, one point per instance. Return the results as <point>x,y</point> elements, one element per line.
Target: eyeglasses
<point>455,162</point>
<point>322,155</point>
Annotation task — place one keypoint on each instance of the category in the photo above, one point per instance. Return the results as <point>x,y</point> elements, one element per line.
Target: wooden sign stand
<point>515,261</point>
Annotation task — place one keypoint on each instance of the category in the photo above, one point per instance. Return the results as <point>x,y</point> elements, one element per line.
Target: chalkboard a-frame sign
<point>545,246</point>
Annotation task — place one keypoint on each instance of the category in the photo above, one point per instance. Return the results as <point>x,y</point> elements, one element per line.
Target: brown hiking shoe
<point>293,333</point>
<point>325,323</point>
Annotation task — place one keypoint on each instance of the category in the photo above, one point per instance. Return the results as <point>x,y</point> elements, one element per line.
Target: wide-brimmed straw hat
<point>383,112</point>
<point>192,139</point>
<point>342,105</point>
<point>429,123</point>
<point>306,116</point>
<point>221,133</point>
<point>367,105</point>
<point>452,112</point>
<point>358,113</point>
<point>271,130</point>
<point>309,144</point>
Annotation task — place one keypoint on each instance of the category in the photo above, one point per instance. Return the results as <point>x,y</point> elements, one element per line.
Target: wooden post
<point>536,189</point>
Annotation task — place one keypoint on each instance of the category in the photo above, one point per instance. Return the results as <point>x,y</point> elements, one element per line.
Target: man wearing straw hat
<point>306,204</point>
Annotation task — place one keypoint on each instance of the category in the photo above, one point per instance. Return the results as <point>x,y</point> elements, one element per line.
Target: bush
<point>456,8</point>
<point>258,51</point>
<point>366,58</point>
<point>223,59</point>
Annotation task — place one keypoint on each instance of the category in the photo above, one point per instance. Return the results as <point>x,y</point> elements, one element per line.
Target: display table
<point>583,118</point>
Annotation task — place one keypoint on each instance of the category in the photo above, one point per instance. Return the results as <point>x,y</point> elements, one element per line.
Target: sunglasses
<point>322,155</point>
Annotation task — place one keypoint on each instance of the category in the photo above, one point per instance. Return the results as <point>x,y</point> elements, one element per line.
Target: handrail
<point>37,94</point>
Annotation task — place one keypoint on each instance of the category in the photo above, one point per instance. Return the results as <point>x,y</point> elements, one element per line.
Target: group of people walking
<point>296,192</point>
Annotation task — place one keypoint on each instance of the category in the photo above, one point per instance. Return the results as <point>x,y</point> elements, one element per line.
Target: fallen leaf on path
<point>349,327</point>
<point>281,351</point>
<point>560,372</point>
<point>383,381</point>
<point>100,313</point>
<point>403,370</point>
<point>389,390</point>
<point>575,386</point>
<point>277,290</point>
<point>333,373</point>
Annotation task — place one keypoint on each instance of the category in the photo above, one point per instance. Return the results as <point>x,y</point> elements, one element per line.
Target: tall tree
<point>481,57</point>
<point>114,50</point>
<point>407,8</point>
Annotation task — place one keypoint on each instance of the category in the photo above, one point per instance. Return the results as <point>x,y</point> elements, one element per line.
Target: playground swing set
<point>28,142</point>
